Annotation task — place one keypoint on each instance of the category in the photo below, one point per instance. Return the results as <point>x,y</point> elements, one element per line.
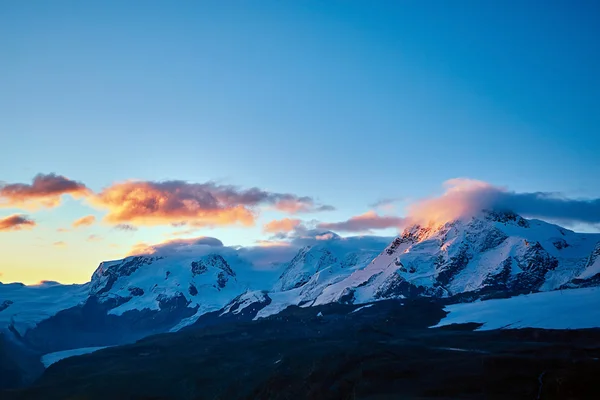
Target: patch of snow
<point>362,307</point>
<point>565,309</point>
<point>51,358</point>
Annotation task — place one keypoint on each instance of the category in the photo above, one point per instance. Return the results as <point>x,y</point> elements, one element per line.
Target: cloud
<point>364,223</point>
<point>282,225</point>
<point>126,227</point>
<point>184,232</point>
<point>388,204</point>
<point>94,238</point>
<point>59,244</point>
<point>16,223</point>
<point>45,190</point>
<point>176,246</point>
<point>198,204</point>
<point>62,230</point>
<point>465,197</point>
<point>84,221</point>
<point>263,258</point>
<point>295,205</point>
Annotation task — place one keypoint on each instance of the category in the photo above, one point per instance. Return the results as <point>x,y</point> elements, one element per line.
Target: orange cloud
<point>84,221</point>
<point>281,225</point>
<point>16,223</point>
<point>197,204</point>
<point>462,197</point>
<point>59,244</point>
<point>45,191</point>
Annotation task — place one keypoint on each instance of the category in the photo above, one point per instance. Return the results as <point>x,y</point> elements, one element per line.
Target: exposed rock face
<point>136,291</point>
<point>108,272</point>
<point>211,260</point>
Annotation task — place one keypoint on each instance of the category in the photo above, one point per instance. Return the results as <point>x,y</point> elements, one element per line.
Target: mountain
<point>490,255</point>
<point>493,254</point>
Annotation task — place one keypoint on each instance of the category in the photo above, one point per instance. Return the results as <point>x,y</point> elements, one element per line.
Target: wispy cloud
<point>126,228</point>
<point>84,221</point>
<point>16,222</point>
<point>59,244</point>
<point>364,223</point>
<point>197,204</point>
<point>45,190</point>
<point>387,204</point>
<point>94,238</point>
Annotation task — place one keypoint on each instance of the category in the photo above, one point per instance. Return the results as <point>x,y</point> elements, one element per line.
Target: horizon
<point>125,126</point>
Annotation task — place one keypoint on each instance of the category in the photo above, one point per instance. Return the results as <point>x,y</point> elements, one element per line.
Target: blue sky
<point>345,101</point>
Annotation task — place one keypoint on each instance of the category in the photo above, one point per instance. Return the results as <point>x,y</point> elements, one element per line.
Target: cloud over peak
<point>176,246</point>
<point>45,190</point>
<point>466,197</point>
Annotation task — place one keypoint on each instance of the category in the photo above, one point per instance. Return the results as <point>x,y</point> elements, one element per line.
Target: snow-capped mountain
<point>167,290</point>
<point>494,254</point>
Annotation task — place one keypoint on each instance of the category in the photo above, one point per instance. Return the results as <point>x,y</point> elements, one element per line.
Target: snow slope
<point>22,307</point>
<point>566,309</point>
<point>51,358</point>
<point>319,266</point>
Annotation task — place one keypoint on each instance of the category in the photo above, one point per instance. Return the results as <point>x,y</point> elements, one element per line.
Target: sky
<point>255,121</point>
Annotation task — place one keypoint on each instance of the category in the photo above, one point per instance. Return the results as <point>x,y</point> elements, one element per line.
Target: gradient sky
<point>348,102</point>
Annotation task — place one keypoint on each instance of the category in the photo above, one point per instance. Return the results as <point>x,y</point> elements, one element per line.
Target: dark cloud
<point>16,222</point>
<point>364,223</point>
<point>548,206</point>
<point>126,227</point>
<point>45,190</point>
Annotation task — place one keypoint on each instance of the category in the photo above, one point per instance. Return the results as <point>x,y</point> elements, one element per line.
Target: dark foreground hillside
<point>385,351</point>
